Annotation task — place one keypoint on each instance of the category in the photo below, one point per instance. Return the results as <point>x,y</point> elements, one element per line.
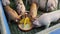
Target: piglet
<point>12,14</point>
<point>51,4</point>
<point>20,7</point>
<point>5,2</point>
<point>33,10</point>
<point>47,18</point>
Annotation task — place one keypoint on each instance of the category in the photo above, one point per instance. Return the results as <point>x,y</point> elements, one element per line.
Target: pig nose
<point>49,8</point>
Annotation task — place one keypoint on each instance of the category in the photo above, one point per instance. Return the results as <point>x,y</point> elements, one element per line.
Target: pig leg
<point>48,24</point>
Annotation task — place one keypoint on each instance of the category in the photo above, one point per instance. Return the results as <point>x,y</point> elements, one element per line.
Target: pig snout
<point>51,7</point>
<point>36,23</point>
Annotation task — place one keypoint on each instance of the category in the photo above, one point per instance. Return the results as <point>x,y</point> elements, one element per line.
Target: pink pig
<point>47,18</point>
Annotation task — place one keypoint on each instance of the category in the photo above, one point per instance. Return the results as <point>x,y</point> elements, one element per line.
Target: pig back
<point>11,13</point>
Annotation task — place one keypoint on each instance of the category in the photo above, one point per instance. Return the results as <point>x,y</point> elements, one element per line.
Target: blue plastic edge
<point>57,31</point>
<point>4,19</point>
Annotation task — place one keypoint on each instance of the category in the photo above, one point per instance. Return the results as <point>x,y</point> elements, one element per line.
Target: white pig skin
<point>51,4</point>
<point>47,18</point>
<point>5,2</point>
<point>20,6</point>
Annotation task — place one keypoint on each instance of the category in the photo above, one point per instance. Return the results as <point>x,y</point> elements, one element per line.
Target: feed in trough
<point>25,24</point>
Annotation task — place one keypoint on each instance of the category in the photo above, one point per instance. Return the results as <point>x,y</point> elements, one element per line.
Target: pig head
<point>5,2</point>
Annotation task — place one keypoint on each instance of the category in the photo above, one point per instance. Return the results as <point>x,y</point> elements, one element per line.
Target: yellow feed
<point>25,21</point>
<point>22,21</point>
